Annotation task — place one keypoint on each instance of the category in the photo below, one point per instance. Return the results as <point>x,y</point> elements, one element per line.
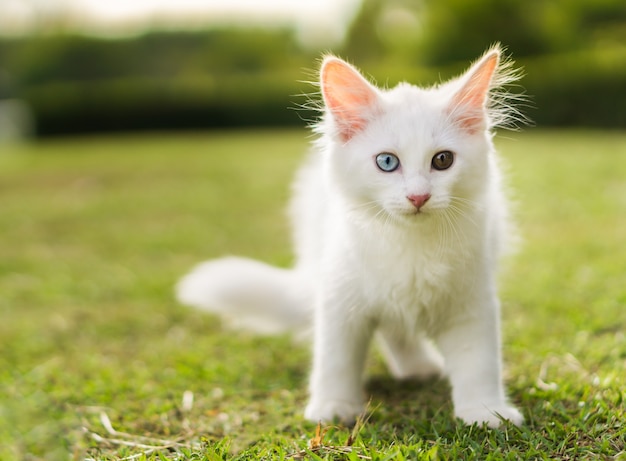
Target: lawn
<point>97,359</point>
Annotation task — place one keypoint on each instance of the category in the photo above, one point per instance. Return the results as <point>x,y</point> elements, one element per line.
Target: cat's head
<point>410,151</point>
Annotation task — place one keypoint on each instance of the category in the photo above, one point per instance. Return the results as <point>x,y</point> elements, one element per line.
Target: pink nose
<point>418,201</point>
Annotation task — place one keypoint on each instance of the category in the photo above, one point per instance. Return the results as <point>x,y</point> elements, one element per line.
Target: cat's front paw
<point>494,416</point>
<point>327,411</point>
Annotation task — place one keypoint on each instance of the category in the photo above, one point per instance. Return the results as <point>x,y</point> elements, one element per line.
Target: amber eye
<point>442,160</point>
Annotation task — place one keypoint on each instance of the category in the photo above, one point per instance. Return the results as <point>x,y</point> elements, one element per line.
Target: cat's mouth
<point>417,211</point>
<point>400,214</point>
<point>411,215</point>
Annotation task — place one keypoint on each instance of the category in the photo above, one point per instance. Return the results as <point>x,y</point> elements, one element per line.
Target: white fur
<point>368,262</point>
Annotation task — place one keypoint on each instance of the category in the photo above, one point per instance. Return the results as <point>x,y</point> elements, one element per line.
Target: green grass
<point>95,232</point>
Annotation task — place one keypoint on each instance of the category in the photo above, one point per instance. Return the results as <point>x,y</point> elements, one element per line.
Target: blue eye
<point>387,162</point>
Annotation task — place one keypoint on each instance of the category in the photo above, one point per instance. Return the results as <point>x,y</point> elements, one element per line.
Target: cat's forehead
<point>413,118</point>
<point>405,94</point>
<point>410,106</point>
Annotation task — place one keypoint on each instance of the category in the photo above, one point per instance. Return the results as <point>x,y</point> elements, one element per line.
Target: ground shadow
<point>410,405</point>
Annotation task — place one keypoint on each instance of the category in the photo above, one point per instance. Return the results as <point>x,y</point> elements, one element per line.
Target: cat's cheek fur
<point>354,177</point>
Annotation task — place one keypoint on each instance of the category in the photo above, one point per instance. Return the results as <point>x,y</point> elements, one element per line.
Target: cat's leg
<point>341,341</point>
<point>416,357</point>
<point>471,349</point>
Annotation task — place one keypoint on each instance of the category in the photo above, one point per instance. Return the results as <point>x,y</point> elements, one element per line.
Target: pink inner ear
<point>347,95</point>
<point>471,99</point>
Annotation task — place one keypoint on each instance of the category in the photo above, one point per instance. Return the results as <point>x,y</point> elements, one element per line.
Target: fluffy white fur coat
<point>399,219</point>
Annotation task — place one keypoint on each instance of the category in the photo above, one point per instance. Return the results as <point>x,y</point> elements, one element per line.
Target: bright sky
<point>313,18</point>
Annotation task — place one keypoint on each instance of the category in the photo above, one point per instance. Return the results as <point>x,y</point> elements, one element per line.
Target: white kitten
<point>399,219</point>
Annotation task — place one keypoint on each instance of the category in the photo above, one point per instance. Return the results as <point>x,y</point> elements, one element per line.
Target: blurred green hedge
<point>581,89</point>
<point>156,104</point>
<point>232,78</point>
<point>216,78</point>
<point>578,89</point>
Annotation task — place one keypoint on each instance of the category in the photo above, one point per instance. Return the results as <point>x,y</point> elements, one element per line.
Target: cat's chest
<point>410,281</point>
<point>414,277</point>
<point>406,276</point>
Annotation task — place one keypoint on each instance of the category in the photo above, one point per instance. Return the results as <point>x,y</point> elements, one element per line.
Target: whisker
<point>443,244</point>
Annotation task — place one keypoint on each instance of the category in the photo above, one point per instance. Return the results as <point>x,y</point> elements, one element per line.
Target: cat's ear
<point>469,104</point>
<point>349,97</point>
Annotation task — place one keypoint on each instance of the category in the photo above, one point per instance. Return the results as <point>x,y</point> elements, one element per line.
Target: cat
<point>399,217</point>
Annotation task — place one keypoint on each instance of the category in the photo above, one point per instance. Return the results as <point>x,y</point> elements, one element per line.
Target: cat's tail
<point>249,294</point>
